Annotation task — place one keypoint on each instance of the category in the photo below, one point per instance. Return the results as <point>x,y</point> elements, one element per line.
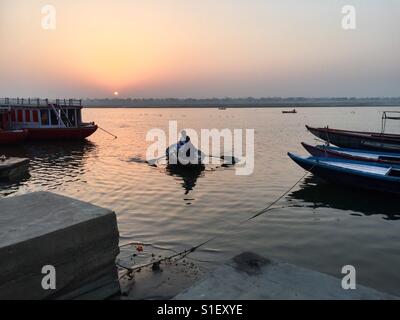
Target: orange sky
<point>182,48</point>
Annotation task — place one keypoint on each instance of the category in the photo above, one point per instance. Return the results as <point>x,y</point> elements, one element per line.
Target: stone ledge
<point>79,239</point>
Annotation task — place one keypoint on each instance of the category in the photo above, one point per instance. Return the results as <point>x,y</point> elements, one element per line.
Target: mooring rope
<point>259,213</point>
<point>130,270</point>
<point>108,132</point>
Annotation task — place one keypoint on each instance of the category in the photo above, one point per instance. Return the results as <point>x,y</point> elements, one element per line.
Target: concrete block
<point>79,239</point>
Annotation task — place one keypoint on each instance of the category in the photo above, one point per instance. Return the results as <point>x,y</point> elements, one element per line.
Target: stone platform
<point>79,239</point>
<point>251,277</point>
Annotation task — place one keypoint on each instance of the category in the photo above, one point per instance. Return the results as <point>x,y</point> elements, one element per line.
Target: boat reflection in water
<point>314,193</point>
<point>51,164</point>
<point>188,175</point>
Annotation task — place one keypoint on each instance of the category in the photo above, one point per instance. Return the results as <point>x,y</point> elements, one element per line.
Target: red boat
<point>12,137</point>
<point>44,120</point>
<point>79,133</point>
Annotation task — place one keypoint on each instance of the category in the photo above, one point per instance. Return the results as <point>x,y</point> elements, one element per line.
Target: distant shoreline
<point>237,107</point>
<point>289,103</point>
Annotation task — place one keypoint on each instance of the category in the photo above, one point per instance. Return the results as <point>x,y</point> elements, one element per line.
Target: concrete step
<point>249,276</point>
<point>79,239</point>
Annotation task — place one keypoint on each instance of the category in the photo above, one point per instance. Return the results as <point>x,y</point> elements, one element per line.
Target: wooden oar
<point>232,161</point>
<point>225,158</point>
<point>153,161</point>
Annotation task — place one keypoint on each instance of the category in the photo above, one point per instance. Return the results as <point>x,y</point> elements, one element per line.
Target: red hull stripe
<point>12,137</point>
<point>61,133</point>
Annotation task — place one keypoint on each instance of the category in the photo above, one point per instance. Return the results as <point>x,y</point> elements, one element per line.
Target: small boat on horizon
<point>352,154</point>
<point>289,111</point>
<point>359,174</point>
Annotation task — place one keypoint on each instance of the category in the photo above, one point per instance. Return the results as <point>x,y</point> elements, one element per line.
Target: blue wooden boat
<point>357,174</point>
<point>352,154</point>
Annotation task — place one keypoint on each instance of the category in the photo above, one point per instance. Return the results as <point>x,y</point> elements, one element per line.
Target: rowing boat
<point>357,174</point>
<point>358,139</point>
<point>187,157</point>
<point>352,154</point>
<point>289,111</point>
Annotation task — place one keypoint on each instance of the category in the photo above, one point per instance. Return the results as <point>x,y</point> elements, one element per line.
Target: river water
<point>318,226</point>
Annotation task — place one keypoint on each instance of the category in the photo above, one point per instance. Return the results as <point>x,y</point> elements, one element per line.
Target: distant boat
<point>352,154</point>
<point>289,111</point>
<point>371,176</point>
<point>358,139</point>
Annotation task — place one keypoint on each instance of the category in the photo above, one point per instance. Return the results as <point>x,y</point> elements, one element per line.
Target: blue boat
<point>357,174</point>
<point>352,154</point>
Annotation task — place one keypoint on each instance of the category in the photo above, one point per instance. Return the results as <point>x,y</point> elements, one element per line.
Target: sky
<point>199,49</point>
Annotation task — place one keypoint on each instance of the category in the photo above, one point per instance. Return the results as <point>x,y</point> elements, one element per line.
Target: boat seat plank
<point>361,154</point>
<point>359,167</point>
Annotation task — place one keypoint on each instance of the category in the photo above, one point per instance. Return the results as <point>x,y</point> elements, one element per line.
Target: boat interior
<point>376,168</point>
<point>364,153</point>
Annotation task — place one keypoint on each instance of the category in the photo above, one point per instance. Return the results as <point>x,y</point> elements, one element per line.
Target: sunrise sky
<point>202,48</point>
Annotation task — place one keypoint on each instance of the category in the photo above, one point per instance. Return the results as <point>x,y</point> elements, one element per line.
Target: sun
<point>116,93</point>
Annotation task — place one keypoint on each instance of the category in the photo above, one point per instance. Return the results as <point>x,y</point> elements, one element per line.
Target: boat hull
<point>12,137</point>
<point>323,151</point>
<point>358,140</point>
<point>340,176</point>
<point>12,169</point>
<point>40,134</point>
<point>191,161</point>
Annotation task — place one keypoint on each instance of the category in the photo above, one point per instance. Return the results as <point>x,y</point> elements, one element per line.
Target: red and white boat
<point>36,119</point>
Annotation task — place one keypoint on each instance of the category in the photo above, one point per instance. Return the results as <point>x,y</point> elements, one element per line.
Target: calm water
<point>316,226</point>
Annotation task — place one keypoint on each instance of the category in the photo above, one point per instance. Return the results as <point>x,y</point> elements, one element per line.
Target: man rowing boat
<point>184,152</point>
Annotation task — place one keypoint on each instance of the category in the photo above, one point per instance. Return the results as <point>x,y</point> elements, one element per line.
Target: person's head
<point>183,135</point>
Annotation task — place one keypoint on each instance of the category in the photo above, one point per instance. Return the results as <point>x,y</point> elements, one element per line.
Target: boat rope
<point>115,137</point>
<point>327,136</point>
<point>259,213</point>
<point>131,270</point>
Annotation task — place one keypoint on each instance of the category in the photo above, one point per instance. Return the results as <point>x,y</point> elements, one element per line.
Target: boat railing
<point>37,102</point>
<point>389,115</point>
